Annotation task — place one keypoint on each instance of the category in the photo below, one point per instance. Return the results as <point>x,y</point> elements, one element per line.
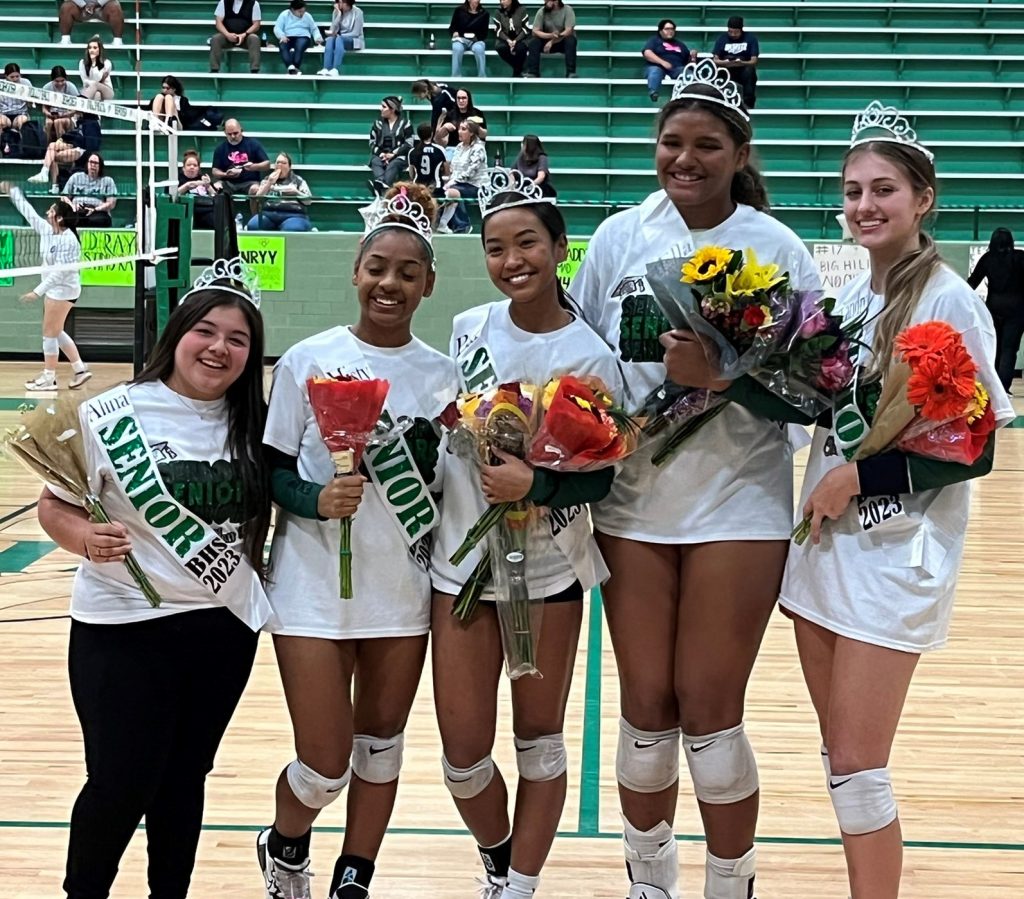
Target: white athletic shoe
<point>646,891</point>
<point>79,378</point>
<point>42,381</point>
<point>65,40</point>
<point>39,178</point>
<point>292,70</point>
<point>55,189</point>
<point>323,72</point>
<point>117,42</point>
<point>282,881</point>
<point>334,73</point>
<point>491,887</point>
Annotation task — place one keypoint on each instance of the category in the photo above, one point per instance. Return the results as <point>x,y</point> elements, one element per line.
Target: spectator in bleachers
<point>554,31</point>
<point>173,106</point>
<point>469,26</point>
<point>239,162</point>
<point>1003,267</point>
<point>665,56</point>
<point>56,119</point>
<point>94,70</point>
<point>73,12</point>
<point>287,194</point>
<point>737,50</point>
<point>512,28</point>
<point>238,25</point>
<point>532,161</point>
<point>440,96</point>
<point>58,154</point>
<point>192,180</point>
<point>92,193</point>
<point>448,126</point>
<point>13,111</point>
<point>295,31</point>
<point>427,162</point>
<point>391,139</point>
<point>468,175</point>
<point>345,33</point>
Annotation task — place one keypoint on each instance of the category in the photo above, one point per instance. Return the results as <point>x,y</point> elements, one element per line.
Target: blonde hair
<point>910,274</point>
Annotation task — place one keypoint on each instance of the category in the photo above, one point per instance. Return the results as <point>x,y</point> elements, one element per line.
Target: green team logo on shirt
<point>641,325</point>
<point>213,492</point>
<point>855,410</point>
<point>424,441</point>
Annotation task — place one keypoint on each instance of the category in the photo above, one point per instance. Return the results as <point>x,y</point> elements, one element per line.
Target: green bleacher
<point>956,68</point>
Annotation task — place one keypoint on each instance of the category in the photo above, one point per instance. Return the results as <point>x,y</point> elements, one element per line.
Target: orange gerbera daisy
<point>942,385</point>
<point>925,339</point>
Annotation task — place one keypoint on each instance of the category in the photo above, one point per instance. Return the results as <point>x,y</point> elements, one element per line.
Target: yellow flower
<point>752,277</point>
<point>549,393</point>
<point>705,265</point>
<point>979,403</point>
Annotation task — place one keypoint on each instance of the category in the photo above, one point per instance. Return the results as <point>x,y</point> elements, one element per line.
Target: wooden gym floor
<point>957,761</point>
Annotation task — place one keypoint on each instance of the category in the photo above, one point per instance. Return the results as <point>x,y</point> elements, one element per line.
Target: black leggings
<point>154,699</point>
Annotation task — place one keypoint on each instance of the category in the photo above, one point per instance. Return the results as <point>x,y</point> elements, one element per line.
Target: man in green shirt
<point>554,31</point>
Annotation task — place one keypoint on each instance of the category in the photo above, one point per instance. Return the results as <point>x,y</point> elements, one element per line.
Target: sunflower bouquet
<point>758,324</point>
<point>930,403</point>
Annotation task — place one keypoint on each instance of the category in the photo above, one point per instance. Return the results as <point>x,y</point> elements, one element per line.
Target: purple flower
<point>813,324</point>
<point>836,371</point>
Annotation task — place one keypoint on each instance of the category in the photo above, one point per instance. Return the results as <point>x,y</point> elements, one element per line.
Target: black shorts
<point>572,593</point>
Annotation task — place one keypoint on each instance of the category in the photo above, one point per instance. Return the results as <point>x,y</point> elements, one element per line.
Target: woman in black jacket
<point>1003,266</point>
<point>469,27</point>
<point>512,27</point>
<point>172,105</point>
<point>391,139</point>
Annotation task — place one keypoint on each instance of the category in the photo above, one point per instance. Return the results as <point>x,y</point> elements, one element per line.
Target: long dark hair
<point>100,58</point>
<point>247,409</point>
<point>68,216</point>
<point>748,185</point>
<point>1001,241</point>
<point>174,84</point>
<point>533,149</point>
<point>550,216</point>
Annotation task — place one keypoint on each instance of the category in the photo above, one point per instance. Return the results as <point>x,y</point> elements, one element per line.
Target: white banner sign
<point>80,104</point>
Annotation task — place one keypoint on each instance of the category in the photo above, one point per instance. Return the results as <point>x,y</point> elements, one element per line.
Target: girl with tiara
<point>867,604</point>
<point>529,335</point>
<point>350,668</point>
<point>154,688</point>
<point>686,620</point>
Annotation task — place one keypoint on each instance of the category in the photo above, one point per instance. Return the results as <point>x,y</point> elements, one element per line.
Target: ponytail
<point>748,188</point>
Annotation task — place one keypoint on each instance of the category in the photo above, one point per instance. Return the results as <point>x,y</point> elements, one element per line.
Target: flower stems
<point>469,596</point>
<point>802,531</point>
<point>99,515</point>
<point>683,433</point>
<point>485,523</point>
<point>344,464</point>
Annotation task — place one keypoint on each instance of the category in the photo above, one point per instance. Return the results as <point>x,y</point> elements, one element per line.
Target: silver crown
<point>885,123</point>
<point>236,271</point>
<point>524,191</point>
<point>706,72</point>
<point>414,216</point>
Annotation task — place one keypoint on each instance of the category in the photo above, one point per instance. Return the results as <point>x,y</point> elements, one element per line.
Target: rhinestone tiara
<point>414,217</point>
<point>244,281</point>
<point>524,190</point>
<point>886,124</point>
<point>706,72</point>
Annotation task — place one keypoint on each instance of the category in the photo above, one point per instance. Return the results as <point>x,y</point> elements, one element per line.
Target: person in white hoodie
<point>295,30</point>
<point>59,288</point>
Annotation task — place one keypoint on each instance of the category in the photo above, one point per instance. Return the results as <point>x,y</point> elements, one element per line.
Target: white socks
<point>519,886</point>
<point>729,878</point>
<point>652,856</point>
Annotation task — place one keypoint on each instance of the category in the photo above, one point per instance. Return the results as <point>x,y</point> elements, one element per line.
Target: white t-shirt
<point>732,480</point>
<point>892,582</point>
<point>189,442</point>
<point>391,592</point>
<point>516,355</point>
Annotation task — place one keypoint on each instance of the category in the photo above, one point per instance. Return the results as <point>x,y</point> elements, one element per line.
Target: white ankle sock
<point>78,367</point>
<point>519,886</point>
<point>652,856</point>
<point>729,878</point>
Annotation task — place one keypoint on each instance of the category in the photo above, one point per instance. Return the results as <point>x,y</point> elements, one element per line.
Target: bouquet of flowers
<point>931,403</point>
<point>791,341</point>
<point>49,444</point>
<point>348,413</point>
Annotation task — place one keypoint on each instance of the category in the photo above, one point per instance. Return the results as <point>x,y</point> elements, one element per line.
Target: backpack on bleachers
<point>10,143</point>
<point>33,141</point>
<point>86,135</point>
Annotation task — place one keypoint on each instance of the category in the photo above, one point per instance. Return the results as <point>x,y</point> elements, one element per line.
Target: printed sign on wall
<point>107,243</point>
<point>567,270</point>
<point>267,256</point>
<point>838,264</point>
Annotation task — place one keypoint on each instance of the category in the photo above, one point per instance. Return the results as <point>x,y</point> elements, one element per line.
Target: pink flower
<point>814,324</point>
<point>835,372</point>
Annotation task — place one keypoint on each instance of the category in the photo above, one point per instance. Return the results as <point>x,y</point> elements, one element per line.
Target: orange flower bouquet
<point>931,404</point>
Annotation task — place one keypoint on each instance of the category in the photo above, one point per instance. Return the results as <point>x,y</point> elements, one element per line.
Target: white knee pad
<point>722,766</point>
<point>541,759</point>
<point>377,760</point>
<point>51,346</point>
<point>465,783</point>
<point>647,761</point>
<point>864,801</point>
<point>64,341</point>
<point>314,790</point>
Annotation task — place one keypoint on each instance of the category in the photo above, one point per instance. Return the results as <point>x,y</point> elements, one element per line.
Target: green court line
<point>590,776</point>
<point>14,403</point>
<point>563,835</point>
<point>18,557</point>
